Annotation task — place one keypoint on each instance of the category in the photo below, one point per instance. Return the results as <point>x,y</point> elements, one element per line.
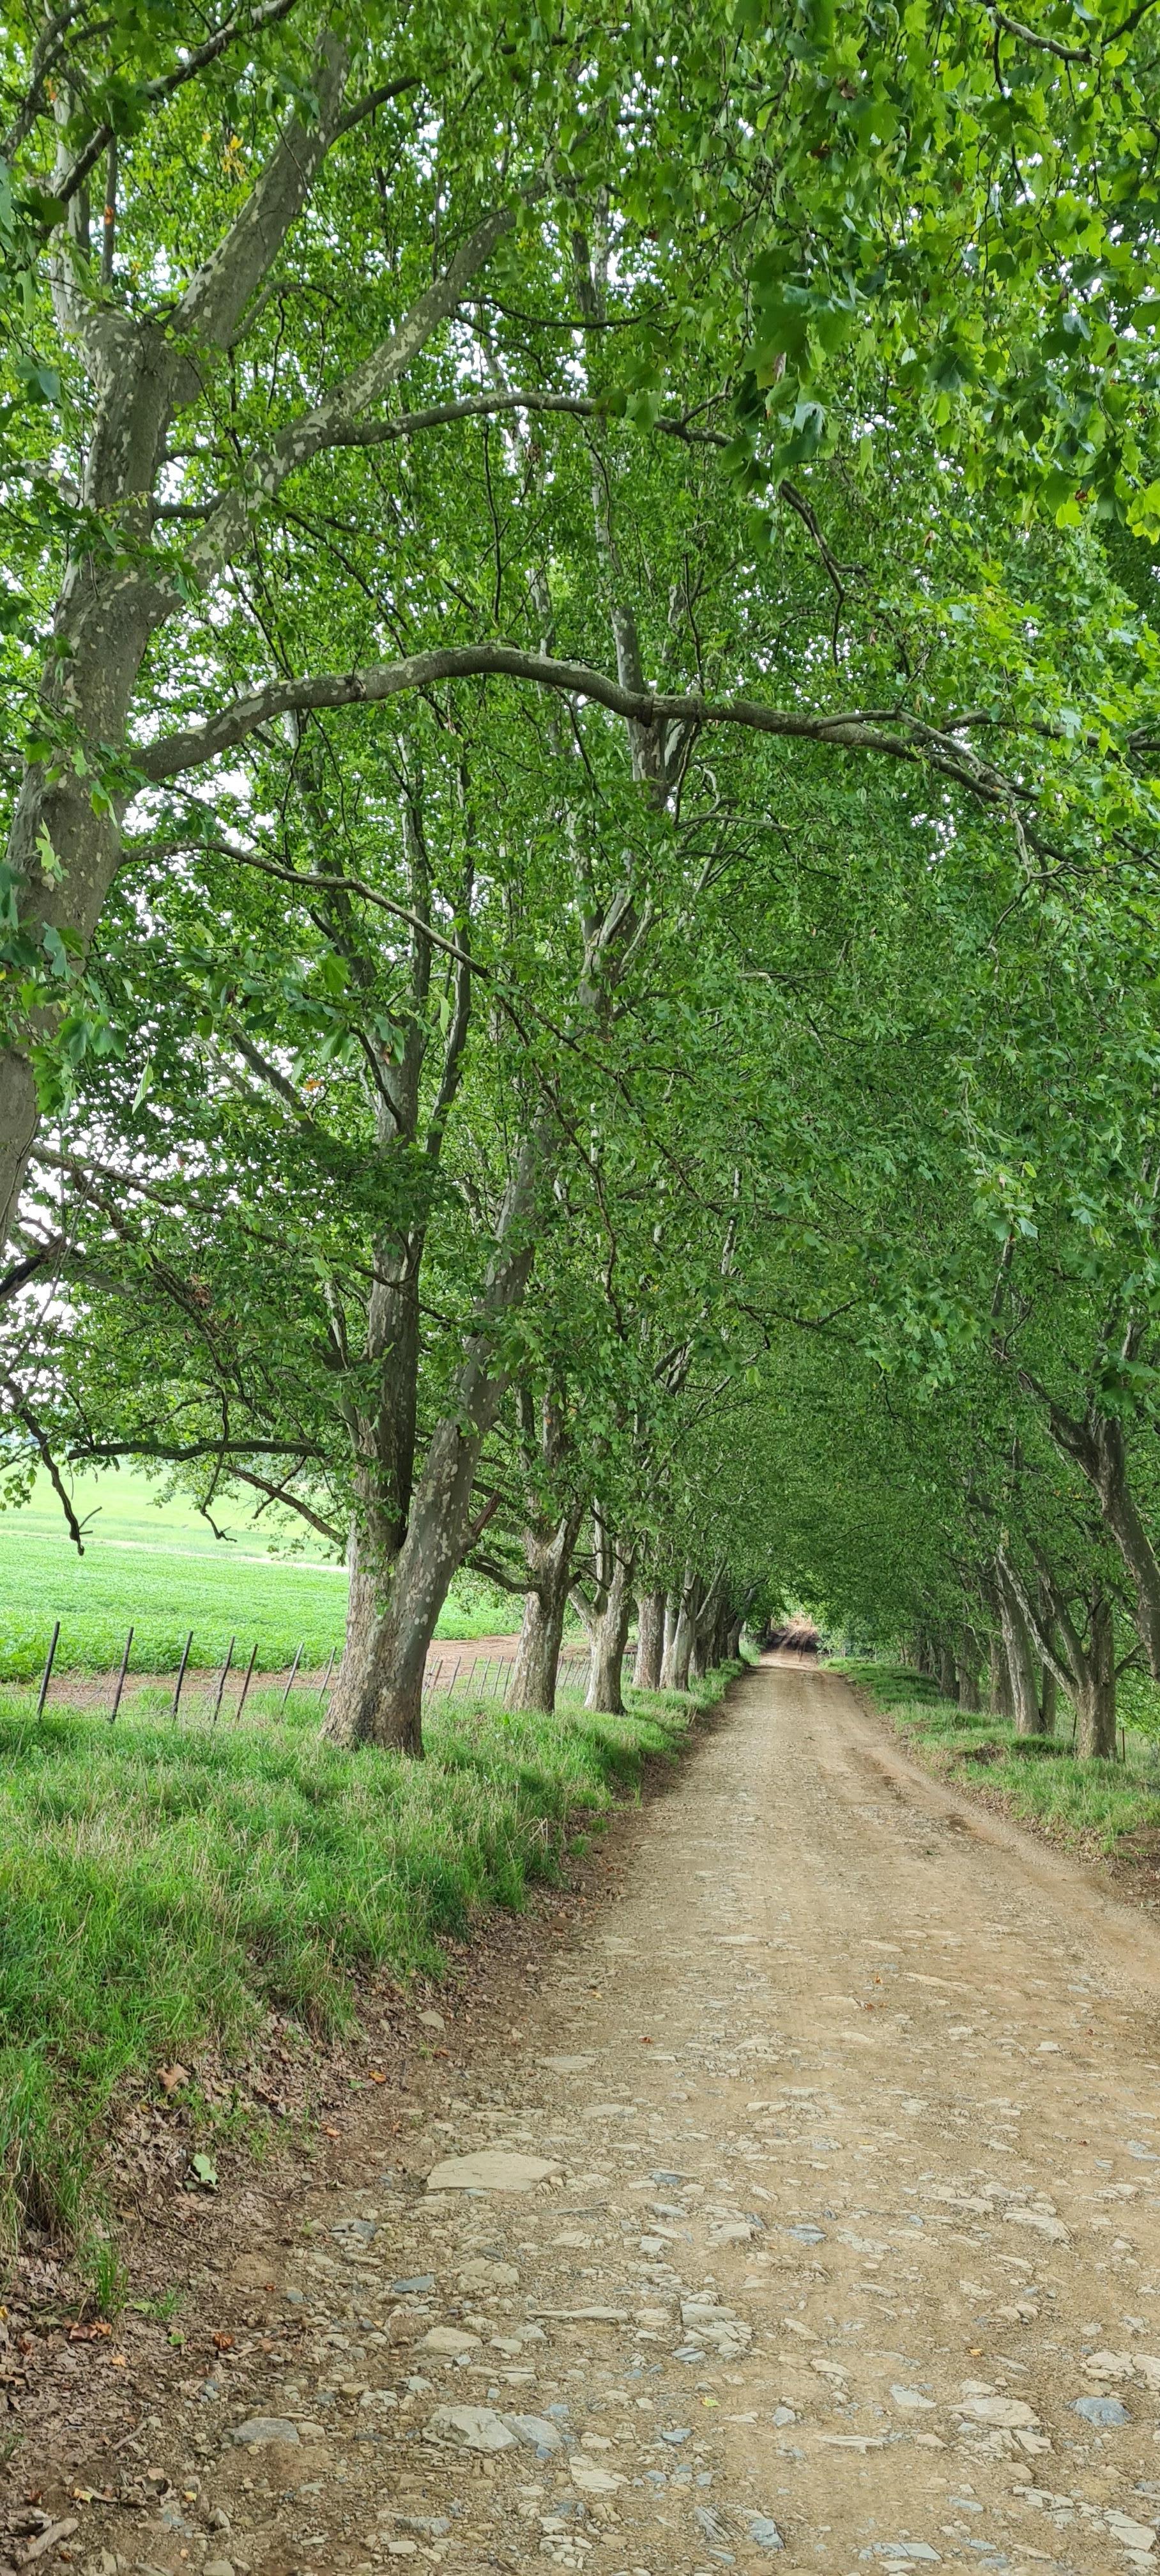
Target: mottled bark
<point>998,1691</point>
<point>1083,1664</point>
<point>608,1638</point>
<point>669,1649</point>
<point>683,1638</point>
<point>533,1682</point>
<point>1095,1690</point>
<point>1020,1659</point>
<point>378,1699</point>
<point>1096,1446</point>
<point>650,1640</point>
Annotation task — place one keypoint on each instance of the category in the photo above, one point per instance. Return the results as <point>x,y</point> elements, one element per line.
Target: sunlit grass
<point>161,1887</point>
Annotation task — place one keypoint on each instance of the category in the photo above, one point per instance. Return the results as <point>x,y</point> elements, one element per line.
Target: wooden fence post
<point>121,1679</point>
<point>46,1676</point>
<point>293,1672</point>
<point>181,1674</point>
<point>246,1684</point>
<point>221,1685</point>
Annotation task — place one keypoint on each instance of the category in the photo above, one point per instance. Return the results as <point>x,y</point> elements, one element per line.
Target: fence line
<point>474,1677</point>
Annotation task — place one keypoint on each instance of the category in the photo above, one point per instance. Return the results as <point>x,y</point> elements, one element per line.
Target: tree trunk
<point>1086,1667</point>
<point>1131,1537</point>
<point>668,1652</point>
<point>1048,1701</point>
<point>998,1689</point>
<point>533,1682</point>
<point>733,1643</point>
<point>379,1695</point>
<point>946,1673</point>
<point>1095,1696</point>
<point>969,1687</point>
<point>650,1640</point>
<point>1020,1659</point>
<point>706,1609</point>
<point>683,1641</point>
<point>1096,1447</point>
<point>112,603</point>
<point>609,1638</point>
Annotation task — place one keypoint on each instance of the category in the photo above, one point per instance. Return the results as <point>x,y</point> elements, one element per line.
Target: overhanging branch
<point>889,731</point>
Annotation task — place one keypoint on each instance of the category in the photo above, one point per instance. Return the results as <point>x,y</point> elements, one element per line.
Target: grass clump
<point>1039,1779</point>
<point>162,1887</point>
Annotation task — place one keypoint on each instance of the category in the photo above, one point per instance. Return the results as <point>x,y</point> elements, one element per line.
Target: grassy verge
<point>1099,1804</point>
<point>161,1890</point>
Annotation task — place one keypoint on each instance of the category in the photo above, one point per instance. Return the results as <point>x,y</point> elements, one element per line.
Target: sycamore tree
<point>852,232</point>
<point>482,500</point>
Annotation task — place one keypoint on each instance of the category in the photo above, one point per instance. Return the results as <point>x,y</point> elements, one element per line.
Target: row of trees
<point>582,692</point>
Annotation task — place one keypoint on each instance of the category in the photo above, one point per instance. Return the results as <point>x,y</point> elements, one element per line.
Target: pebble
<point>481,2275</point>
<point>535,2430</point>
<point>470,2428</point>
<point>449,2340</point>
<point>1102,2410</point>
<point>594,2478</point>
<point>1008,2411</point>
<point>260,2429</point>
<point>491,2169</point>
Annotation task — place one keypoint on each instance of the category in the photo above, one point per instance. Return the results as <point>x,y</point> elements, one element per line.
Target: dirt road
<point>845,2117</point>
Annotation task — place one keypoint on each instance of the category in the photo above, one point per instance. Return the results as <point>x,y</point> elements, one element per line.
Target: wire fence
<point>474,1677</point>
<point>491,1678</point>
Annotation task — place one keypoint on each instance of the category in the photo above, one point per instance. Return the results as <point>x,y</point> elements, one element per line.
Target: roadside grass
<point>157,1568</point>
<point>161,1888</point>
<point>1039,1780</point>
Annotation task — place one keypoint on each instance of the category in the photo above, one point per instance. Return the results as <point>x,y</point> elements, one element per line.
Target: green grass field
<point>161,1887</point>
<point>1038,1778</point>
<point>159,1569</point>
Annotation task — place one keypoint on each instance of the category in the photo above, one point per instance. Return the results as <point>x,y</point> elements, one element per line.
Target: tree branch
<point>211,310</point>
<point>24,1413</point>
<point>333,422</point>
<point>167,83</point>
<point>887,730</point>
